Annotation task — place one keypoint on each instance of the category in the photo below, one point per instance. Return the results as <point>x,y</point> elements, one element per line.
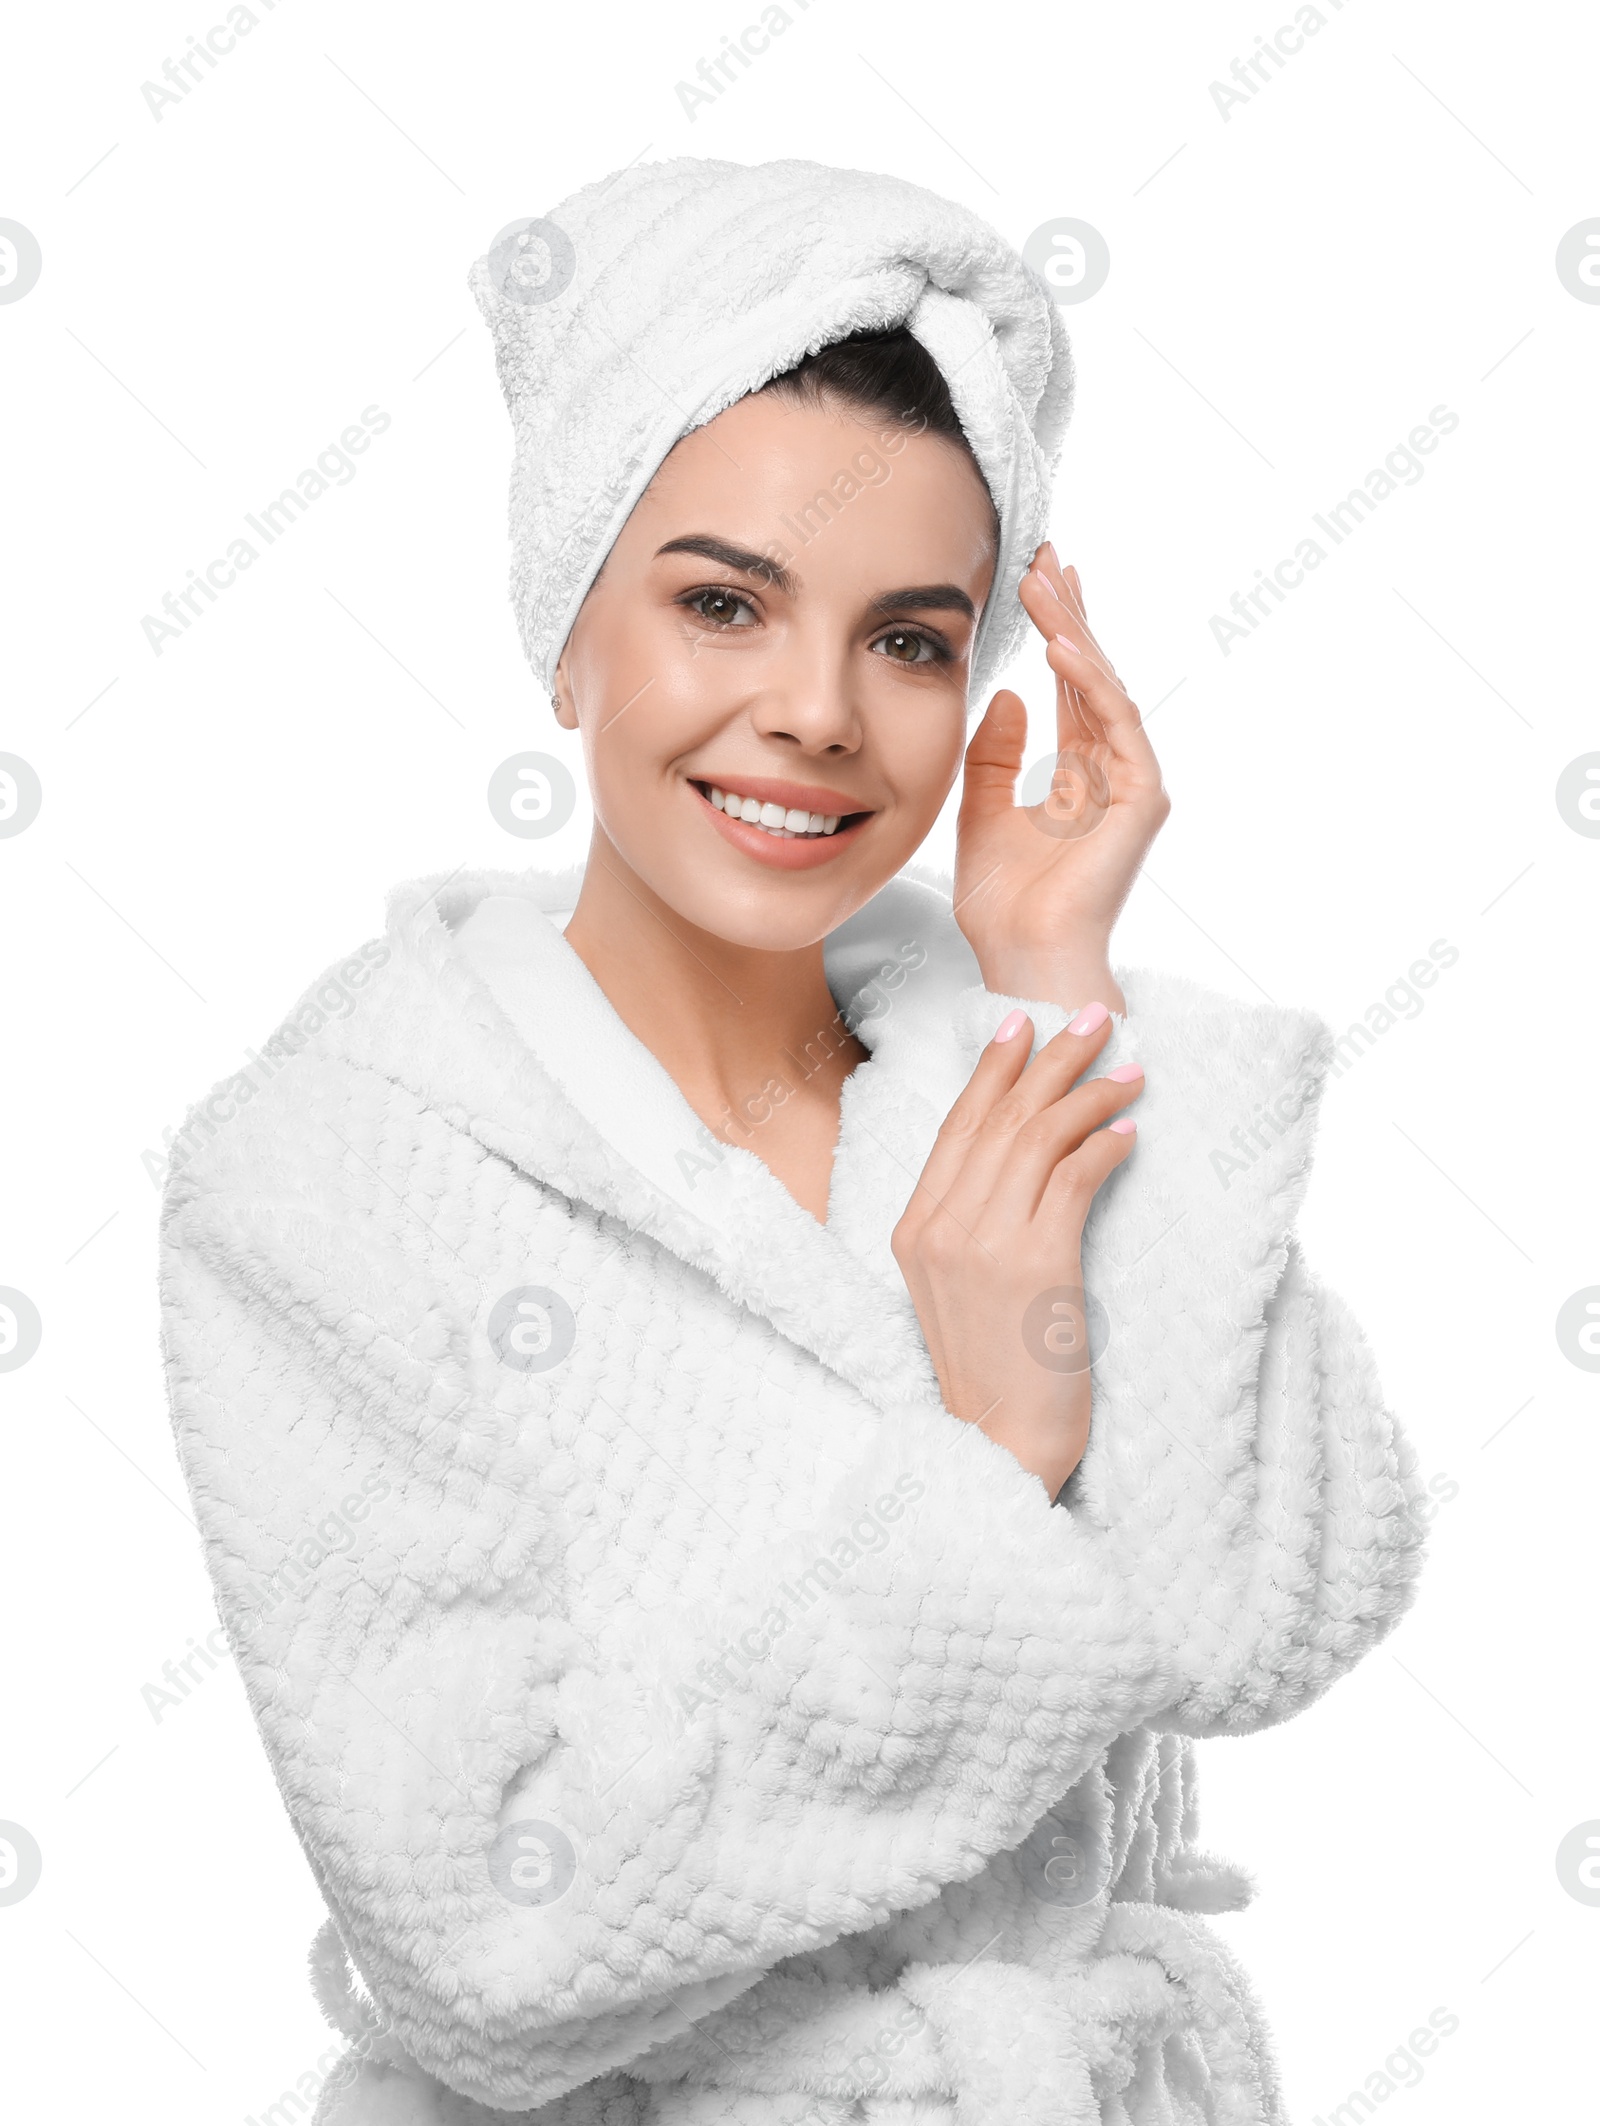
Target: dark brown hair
<point>888,373</point>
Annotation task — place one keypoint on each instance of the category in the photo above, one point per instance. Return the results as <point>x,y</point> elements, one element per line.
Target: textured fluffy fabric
<point>673,288</point>
<point>867,1773</point>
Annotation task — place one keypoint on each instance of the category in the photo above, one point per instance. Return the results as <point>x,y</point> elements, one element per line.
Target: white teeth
<point>773,818</point>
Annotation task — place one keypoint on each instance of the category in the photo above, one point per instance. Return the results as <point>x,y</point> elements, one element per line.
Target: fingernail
<point>1125,1073</point>
<point>1055,559</point>
<point>1011,1025</point>
<point>1091,1016</point>
<point>1067,643</point>
<point>1124,1126</point>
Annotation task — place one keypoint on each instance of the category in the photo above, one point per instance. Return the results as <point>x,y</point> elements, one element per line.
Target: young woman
<point>634,1362</point>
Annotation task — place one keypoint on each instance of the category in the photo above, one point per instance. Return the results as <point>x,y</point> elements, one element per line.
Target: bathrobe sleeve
<point>546,1857</point>
<point>1242,1463</point>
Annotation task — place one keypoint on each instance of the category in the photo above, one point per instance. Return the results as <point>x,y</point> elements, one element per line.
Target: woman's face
<point>786,619</point>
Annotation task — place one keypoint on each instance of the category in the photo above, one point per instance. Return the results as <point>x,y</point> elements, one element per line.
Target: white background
<point>1293,288</point>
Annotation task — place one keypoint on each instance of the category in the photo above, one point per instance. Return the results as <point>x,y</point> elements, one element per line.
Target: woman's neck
<point>753,1039</point>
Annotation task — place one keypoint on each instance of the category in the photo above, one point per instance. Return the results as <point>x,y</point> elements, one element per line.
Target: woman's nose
<point>809,703</point>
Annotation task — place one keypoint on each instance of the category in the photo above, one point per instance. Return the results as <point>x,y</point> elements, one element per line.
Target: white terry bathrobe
<point>686,1719</point>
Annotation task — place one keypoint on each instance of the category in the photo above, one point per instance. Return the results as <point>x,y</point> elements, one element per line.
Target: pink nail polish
<point>1124,1126</point>
<point>1055,558</point>
<point>1067,643</point>
<point>1125,1073</point>
<point>1091,1016</point>
<point>1011,1025</point>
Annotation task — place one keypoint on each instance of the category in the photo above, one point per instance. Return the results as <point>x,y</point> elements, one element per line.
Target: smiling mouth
<point>782,824</point>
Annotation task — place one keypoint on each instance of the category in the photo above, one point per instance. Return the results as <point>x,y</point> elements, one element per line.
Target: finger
<point>1050,612</point>
<point>1053,1135</point>
<point>1105,700</point>
<point>1069,594</point>
<point>1078,1178</point>
<point>999,1066</point>
<point>1054,613</point>
<point>1110,716</point>
<point>984,1143</point>
<point>994,759</point>
<point>1078,625</point>
<point>1049,615</point>
<point>1071,585</point>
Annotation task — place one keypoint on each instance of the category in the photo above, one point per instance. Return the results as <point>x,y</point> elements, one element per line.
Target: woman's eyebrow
<point>739,558</point>
<point>927,598</point>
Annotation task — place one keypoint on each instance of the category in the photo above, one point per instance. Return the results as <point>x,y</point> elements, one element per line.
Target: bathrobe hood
<point>684,1718</point>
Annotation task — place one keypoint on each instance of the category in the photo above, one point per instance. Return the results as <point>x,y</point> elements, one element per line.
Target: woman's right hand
<point>990,1245</point>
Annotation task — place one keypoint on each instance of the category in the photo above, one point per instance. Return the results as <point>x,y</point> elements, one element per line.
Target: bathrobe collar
<point>541,1070</point>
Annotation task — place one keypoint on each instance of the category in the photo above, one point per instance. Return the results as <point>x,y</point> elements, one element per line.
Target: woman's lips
<point>796,853</point>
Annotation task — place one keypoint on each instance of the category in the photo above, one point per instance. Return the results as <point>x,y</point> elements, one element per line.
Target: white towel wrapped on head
<point>649,301</point>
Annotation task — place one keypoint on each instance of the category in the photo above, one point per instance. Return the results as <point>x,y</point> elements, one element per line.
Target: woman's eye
<point>721,608</point>
<point>903,646</point>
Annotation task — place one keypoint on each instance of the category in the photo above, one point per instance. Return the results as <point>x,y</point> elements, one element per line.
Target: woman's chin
<point>770,911</point>
<point>760,923</point>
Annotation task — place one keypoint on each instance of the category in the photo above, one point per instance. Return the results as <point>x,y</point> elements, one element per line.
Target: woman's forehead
<point>770,474</point>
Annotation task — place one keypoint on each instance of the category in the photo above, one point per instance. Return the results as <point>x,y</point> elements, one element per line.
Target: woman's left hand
<point>1038,887</point>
